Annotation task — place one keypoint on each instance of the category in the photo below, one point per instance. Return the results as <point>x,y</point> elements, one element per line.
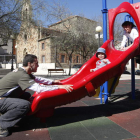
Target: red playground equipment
<point>85,82</point>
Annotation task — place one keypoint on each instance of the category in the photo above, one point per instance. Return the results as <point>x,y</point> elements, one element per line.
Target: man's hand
<point>66,87</point>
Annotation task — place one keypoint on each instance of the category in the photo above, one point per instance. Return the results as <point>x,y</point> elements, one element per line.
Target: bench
<point>56,71</point>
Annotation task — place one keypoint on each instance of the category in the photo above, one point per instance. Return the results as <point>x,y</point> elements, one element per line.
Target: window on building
<point>43,58</point>
<point>77,59</point>
<point>25,37</point>
<point>26,13</point>
<point>42,46</point>
<point>62,58</point>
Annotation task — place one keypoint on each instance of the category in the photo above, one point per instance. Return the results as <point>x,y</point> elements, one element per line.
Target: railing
<point>6,59</point>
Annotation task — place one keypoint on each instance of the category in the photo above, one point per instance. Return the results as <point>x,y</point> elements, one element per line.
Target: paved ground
<point>87,119</point>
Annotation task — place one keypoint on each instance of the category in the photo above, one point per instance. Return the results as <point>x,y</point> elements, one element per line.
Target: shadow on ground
<point>28,123</point>
<point>65,115</point>
<point>117,104</point>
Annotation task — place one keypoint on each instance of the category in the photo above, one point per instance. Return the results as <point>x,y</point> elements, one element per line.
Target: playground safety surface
<point>87,119</point>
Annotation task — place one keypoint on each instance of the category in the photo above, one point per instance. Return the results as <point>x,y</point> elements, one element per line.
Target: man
<point>13,105</point>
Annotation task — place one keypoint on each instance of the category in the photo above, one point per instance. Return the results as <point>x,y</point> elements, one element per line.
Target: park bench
<point>55,71</point>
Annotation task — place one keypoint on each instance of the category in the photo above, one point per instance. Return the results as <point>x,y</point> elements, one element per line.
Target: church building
<point>33,39</point>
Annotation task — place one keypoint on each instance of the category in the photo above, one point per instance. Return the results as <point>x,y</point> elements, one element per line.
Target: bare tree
<point>117,30</point>
<point>78,33</point>
<point>66,42</point>
<point>86,42</point>
<point>11,16</point>
<point>78,37</point>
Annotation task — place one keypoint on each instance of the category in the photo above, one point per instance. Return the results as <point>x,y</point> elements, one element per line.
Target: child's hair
<point>101,50</point>
<point>127,23</point>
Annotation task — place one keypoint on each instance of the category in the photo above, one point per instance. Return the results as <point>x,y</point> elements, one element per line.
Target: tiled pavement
<point>87,119</point>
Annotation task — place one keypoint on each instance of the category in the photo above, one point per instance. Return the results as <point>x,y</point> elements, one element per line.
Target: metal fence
<point>7,59</point>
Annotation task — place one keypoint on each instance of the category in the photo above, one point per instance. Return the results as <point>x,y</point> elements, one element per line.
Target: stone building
<point>33,39</point>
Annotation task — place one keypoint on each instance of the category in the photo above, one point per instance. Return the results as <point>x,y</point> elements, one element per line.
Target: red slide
<point>85,82</point>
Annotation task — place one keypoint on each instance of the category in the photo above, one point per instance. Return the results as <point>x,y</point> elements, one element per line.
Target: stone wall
<point>46,51</point>
<point>27,43</point>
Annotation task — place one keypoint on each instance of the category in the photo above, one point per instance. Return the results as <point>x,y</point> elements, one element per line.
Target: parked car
<point>77,66</point>
<point>137,72</point>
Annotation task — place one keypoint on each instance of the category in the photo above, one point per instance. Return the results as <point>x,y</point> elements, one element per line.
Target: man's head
<point>30,61</point>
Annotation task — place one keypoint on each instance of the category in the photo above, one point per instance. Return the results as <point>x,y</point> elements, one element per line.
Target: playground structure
<point>85,82</point>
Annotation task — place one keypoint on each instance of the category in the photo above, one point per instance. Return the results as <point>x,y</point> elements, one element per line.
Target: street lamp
<point>12,37</point>
<point>98,30</point>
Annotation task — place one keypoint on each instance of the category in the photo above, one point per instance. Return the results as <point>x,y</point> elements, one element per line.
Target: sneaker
<point>4,132</point>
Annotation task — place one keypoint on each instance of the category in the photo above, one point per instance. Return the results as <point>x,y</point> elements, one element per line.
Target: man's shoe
<point>4,132</point>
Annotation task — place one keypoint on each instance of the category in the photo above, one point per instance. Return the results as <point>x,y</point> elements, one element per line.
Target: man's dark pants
<point>12,110</point>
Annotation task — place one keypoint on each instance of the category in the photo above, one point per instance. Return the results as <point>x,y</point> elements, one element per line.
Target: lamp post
<point>98,30</point>
<point>12,37</point>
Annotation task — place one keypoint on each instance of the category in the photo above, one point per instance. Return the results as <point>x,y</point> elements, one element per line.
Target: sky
<point>91,8</point>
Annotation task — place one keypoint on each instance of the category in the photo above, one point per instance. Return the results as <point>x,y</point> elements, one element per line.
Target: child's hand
<point>105,61</point>
<point>123,49</point>
<point>91,70</point>
<point>56,81</point>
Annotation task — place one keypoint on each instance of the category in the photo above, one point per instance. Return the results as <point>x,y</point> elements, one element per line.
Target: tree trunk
<point>69,66</point>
